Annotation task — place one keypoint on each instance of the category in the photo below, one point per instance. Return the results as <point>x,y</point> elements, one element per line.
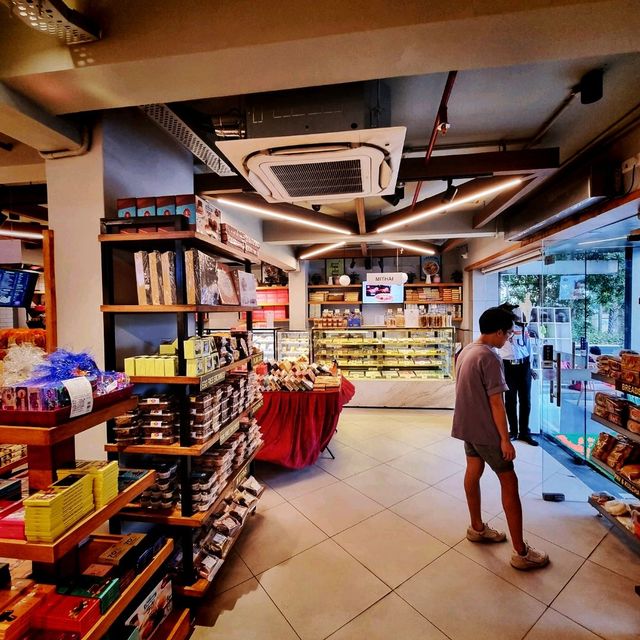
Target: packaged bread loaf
<point>630,360</point>
<point>603,446</point>
<point>634,412</point>
<point>630,377</point>
<point>633,425</point>
<point>631,471</point>
<point>619,455</point>
<point>601,398</point>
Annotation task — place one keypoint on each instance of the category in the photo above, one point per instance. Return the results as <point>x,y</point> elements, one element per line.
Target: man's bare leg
<point>475,468</point>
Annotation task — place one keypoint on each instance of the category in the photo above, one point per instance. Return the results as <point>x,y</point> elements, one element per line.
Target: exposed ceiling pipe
<point>440,121</point>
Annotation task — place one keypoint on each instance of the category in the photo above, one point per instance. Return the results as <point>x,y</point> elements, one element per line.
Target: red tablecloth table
<point>297,426</point>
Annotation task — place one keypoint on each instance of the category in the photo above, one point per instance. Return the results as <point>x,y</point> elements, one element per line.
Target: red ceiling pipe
<point>440,118</point>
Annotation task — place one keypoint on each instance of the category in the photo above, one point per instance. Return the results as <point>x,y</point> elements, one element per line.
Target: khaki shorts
<point>491,454</point>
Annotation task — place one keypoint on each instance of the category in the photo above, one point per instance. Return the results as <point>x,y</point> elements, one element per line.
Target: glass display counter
<point>392,367</point>
<point>293,345</point>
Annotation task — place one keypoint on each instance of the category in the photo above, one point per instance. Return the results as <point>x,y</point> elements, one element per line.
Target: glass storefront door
<point>580,316</point>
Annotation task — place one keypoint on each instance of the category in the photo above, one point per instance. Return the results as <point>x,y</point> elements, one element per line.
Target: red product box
<point>145,207</point>
<point>20,617</point>
<point>68,613</point>
<point>12,521</point>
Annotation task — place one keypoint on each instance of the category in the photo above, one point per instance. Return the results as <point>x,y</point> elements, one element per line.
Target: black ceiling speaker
<point>591,86</point>
<point>367,263</point>
<point>395,197</point>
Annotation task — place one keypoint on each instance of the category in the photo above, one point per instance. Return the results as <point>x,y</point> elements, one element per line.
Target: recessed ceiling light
<point>478,195</point>
<point>285,216</point>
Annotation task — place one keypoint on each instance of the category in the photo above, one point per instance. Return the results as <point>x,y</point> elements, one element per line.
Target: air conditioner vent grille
<point>320,178</point>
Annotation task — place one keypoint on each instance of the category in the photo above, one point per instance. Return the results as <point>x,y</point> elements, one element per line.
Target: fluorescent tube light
<point>22,235</point>
<point>516,261</point>
<point>603,240</point>
<point>317,252</point>
<point>450,205</point>
<point>284,216</point>
<point>411,247</point>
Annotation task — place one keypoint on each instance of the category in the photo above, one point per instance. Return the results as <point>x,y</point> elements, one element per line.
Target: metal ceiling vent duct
<point>55,18</point>
<point>320,167</point>
<point>170,122</point>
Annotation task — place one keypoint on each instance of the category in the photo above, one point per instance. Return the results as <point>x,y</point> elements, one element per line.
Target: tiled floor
<point>372,545</point>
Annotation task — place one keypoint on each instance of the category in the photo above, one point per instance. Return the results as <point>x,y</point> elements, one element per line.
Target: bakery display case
<point>266,341</point>
<point>392,367</point>
<point>292,345</point>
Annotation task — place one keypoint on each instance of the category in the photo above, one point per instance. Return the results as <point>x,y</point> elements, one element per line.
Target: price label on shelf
<point>80,394</point>
<point>242,475</point>
<point>209,379</point>
<point>229,430</point>
<point>257,359</point>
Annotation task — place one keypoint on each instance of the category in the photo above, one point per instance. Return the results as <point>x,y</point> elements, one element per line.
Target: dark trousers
<point>518,377</point>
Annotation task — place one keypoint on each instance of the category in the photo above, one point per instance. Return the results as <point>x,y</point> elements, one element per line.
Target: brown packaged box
<point>634,413</point>
<point>633,425</point>
<point>630,361</point>
<point>631,377</point>
<point>115,554</point>
<point>603,446</point>
<point>619,455</point>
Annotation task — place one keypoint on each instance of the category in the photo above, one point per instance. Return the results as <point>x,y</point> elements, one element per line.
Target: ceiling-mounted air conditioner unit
<point>320,167</point>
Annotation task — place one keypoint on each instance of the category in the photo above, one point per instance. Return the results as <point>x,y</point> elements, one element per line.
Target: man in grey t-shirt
<point>480,420</point>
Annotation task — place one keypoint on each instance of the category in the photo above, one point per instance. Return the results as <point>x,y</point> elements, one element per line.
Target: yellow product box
<point>195,367</point>
<point>193,348</point>
<point>158,366</point>
<point>168,348</point>
<point>130,366</point>
<point>171,366</point>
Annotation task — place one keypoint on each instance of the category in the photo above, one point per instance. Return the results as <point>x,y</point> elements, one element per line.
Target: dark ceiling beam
<point>29,194</point>
<point>30,211</point>
<point>471,165</point>
<point>466,165</point>
<point>464,190</point>
<point>505,200</point>
<point>453,243</point>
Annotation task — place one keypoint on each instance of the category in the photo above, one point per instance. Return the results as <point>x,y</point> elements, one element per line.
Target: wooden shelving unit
<point>105,622</point>
<point>614,427</point>
<point>177,626</point>
<point>631,539</point>
<point>10,466</point>
<point>50,553</point>
<point>184,452</point>
<point>174,518</point>
<point>625,483</point>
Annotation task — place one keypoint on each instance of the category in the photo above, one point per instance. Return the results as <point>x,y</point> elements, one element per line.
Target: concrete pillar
<point>298,299</point>
<point>130,156</point>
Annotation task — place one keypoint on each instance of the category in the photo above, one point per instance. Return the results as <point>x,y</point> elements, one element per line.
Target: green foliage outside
<point>603,309</point>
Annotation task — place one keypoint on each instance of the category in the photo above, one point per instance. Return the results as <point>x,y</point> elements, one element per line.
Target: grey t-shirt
<point>479,374</point>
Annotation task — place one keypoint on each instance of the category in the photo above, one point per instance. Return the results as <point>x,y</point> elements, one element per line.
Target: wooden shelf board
<point>188,379</point>
<point>51,552</point>
<point>176,449</point>
<point>614,427</point>
<point>346,303</point>
<point>173,308</point>
<point>273,304</point>
<point>47,436</point>
<point>197,239</point>
<point>177,626</point>
<point>175,518</point>
<point>334,286</point>
<point>13,465</point>
<point>105,622</point>
<point>631,539</point>
<point>277,288</point>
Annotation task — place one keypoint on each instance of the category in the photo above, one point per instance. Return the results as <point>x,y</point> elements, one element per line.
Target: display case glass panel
<point>387,353</point>
<point>293,345</point>
<point>265,340</point>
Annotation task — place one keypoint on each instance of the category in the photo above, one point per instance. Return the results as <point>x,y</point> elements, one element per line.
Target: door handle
<point>558,378</point>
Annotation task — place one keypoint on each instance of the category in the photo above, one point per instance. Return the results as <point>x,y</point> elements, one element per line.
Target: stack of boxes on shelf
<point>274,303</point>
<point>301,375</point>
<point>165,493</point>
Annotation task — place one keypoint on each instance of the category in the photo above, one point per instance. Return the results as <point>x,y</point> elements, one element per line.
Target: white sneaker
<point>486,535</point>
<point>533,559</point>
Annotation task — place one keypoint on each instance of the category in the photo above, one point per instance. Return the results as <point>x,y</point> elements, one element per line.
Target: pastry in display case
<point>293,345</point>
<point>387,353</point>
<point>266,340</point>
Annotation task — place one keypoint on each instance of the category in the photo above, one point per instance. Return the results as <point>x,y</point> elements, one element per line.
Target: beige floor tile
<point>383,448</point>
<point>555,625</point>
<point>391,617</point>
<point>545,584</point>
<point>425,466</point>
<point>347,463</point>
<point>444,517</point>
<point>571,525</point>
<point>269,499</point>
<point>291,484</point>
<point>322,589</point>
<point>243,612</point>
<point>336,507</point>
<point>233,572</point>
<point>448,448</point>
<point>275,536</point>
<point>386,485</point>
<point>612,553</point>
<point>467,602</point>
<point>417,436</point>
<point>350,438</point>
<point>603,602</point>
<point>389,546</point>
